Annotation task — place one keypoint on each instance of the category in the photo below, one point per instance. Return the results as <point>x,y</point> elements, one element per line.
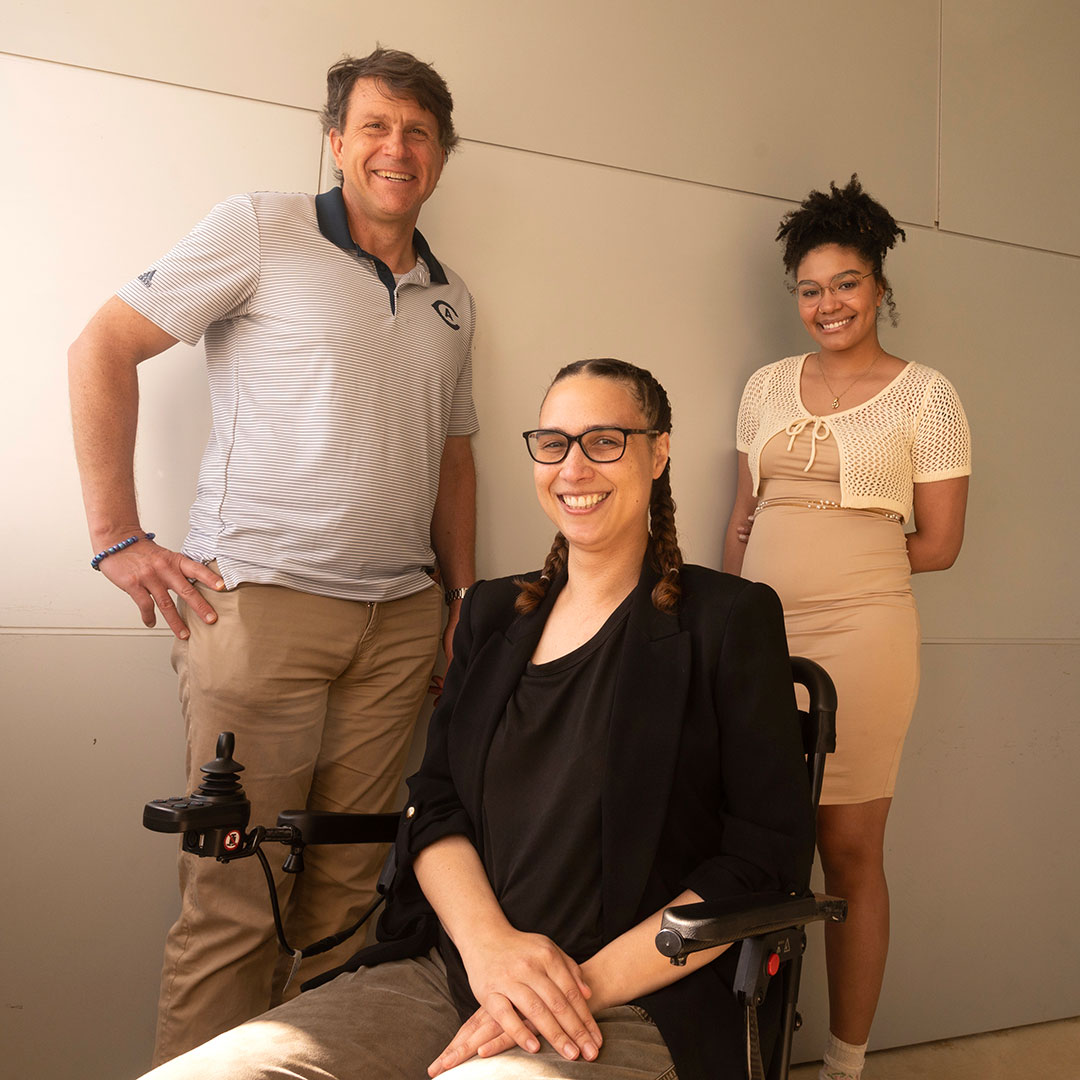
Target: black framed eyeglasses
<point>549,446</point>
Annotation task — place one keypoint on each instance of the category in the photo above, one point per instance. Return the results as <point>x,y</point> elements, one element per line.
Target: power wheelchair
<point>769,927</point>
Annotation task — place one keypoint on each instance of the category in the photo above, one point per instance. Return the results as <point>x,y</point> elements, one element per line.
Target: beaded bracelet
<point>95,562</point>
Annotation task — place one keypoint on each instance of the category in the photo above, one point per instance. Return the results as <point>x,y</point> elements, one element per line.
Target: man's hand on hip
<point>149,574</point>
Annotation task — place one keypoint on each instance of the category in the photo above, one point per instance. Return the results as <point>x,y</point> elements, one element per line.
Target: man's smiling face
<point>389,155</point>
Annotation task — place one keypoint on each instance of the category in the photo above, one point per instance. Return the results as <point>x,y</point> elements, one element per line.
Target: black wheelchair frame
<point>768,926</point>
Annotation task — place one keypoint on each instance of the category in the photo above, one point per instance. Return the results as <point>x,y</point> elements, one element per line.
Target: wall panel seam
<point>160,82</point>
<point>632,171</point>
<point>1001,641</point>
<point>935,226</point>
<point>1008,243</point>
<point>940,97</point>
<point>81,631</point>
<point>165,634</point>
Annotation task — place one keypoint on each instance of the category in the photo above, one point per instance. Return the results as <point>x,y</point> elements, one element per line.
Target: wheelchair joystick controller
<point>214,823</point>
<point>222,783</point>
<point>214,818</point>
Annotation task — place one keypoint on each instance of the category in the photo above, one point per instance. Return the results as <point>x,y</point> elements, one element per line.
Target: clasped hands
<point>527,987</point>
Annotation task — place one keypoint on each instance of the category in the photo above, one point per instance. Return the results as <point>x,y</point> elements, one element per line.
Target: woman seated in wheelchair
<point>616,735</point>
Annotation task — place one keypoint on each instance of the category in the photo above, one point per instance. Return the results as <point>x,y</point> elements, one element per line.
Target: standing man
<point>338,472</point>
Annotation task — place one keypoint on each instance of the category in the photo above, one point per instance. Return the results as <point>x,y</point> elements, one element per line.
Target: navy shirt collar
<point>334,225</point>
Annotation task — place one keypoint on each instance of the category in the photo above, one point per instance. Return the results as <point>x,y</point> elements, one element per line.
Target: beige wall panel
<point>275,50</point>
<point>138,164</point>
<point>92,731</point>
<point>719,93</point>
<point>1010,121</point>
<point>982,846</point>
<point>980,853</point>
<point>1016,576</point>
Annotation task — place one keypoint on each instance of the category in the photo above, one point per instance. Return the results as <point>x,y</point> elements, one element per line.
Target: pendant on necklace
<point>836,403</point>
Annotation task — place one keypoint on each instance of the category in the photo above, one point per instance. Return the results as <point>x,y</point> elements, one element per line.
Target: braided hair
<point>846,216</point>
<point>664,553</point>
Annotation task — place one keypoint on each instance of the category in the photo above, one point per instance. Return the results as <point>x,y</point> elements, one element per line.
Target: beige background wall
<point>622,173</point>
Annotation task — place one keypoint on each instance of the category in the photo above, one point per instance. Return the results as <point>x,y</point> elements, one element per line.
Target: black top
<point>542,783</point>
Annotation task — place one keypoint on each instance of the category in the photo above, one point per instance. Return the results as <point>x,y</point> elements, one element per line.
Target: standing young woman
<point>835,449</point>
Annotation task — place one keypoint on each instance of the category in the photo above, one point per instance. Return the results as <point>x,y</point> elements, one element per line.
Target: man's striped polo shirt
<point>333,388</point>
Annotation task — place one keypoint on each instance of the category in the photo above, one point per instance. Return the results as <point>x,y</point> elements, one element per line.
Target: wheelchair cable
<point>274,904</point>
<point>328,943</point>
<point>321,946</point>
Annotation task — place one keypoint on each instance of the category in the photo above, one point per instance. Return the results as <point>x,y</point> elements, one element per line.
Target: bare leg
<point>851,840</point>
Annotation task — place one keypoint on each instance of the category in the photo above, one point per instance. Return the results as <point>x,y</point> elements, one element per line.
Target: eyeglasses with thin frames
<point>549,446</point>
<point>845,284</point>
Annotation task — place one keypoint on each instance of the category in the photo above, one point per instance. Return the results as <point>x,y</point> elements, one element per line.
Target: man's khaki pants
<point>322,695</point>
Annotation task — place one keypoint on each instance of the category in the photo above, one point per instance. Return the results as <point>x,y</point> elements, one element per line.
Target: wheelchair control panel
<point>214,819</point>
<point>214,823</point>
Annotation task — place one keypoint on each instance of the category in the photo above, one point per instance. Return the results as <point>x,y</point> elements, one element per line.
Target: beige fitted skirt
<point>845,584</point>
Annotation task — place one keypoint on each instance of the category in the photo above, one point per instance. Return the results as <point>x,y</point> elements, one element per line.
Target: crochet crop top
<point>912,431</point>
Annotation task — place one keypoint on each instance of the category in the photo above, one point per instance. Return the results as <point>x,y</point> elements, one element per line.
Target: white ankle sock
<point>843,1061</point>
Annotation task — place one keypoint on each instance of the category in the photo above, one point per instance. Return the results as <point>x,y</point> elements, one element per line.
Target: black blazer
<point>704,787</point>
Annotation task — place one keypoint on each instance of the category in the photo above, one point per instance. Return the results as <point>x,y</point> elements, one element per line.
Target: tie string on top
<point>819,433</point>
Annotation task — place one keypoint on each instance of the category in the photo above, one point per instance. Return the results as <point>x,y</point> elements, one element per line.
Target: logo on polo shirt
<point>447,314</point>
<point>147,276</point>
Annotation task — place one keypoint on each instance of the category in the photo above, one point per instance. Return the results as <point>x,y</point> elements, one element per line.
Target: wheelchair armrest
<point>689,928</point>
<point>330,827</point>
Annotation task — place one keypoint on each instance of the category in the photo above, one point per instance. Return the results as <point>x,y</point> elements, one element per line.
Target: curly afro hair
<point>847,216</point>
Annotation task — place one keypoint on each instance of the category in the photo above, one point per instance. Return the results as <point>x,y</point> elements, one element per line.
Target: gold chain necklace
<point>861,375</point>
